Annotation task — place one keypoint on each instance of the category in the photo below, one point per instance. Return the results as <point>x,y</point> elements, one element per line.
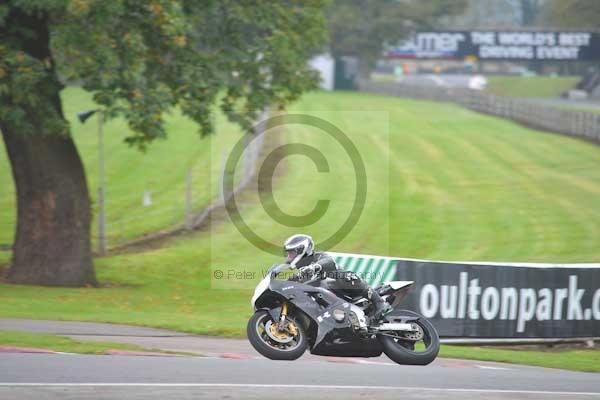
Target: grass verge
<point>530,86</point>
<point>587,360</point>
<point>64,344</point>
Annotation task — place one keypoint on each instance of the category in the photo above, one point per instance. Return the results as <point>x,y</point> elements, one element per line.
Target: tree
<point>573,14</point>
<point>362,28</point>
<point>139,59</point>
<point>530,10</point>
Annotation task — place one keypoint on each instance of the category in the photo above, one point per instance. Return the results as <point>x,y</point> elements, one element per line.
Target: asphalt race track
<point>241,373</point>
<point>66,376</point>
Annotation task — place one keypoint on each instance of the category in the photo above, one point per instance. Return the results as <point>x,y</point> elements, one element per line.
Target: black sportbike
<point>292,316</point>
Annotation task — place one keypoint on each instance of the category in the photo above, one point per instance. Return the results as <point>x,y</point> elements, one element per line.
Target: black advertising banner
<point>498,301</point>
<point>500,45</point>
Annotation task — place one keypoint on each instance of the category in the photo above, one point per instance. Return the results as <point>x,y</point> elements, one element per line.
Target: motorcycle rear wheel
<point>270,348</point>
<point>403,351</point>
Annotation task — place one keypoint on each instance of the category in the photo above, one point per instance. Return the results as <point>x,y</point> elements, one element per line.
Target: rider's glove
<point>310,270</point>
<point>306,271</point>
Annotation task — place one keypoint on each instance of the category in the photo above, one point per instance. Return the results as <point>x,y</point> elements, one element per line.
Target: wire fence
<point>253,148</point>
<point>580,124</point>
<point>188,212</point>
<point>140,213</point>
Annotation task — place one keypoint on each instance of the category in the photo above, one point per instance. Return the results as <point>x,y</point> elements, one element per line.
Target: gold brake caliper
<point>282,335</point>
<point>292,328</point>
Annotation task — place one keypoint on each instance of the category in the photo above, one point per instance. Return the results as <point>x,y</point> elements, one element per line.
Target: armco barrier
<point>581,124</point>
<point>493,300</point>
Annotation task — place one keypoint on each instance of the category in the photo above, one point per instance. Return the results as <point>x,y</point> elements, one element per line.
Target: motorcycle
<point>292,316</point>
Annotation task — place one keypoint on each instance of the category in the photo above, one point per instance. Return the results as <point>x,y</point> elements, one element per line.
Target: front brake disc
<point>273,332</point>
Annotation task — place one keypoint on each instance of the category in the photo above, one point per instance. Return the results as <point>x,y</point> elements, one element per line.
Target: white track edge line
<point>295,386</point>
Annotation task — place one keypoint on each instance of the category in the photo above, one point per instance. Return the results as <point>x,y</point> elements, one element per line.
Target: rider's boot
<point>379,306</point>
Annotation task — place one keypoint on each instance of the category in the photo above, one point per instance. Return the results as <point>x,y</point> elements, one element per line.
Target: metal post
<point>248,158</point>
<point>188,200</point>
<point>223,177</point>
<point>101,210</point>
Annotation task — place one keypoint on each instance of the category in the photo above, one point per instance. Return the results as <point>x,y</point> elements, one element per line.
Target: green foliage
<point>362,28</point>
<point>27,83</point>
<point>530,10</point>
<point>573,14</point>
<point>494,14</point>
<point>141,59</point>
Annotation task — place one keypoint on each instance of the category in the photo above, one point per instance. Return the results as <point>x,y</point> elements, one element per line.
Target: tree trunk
<point>52,240</point>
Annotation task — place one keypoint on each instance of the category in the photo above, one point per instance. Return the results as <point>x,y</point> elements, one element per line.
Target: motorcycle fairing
<point>354,347</point>
<point>319,310</point>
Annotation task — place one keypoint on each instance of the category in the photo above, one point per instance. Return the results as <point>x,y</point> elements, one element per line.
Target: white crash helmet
<point>297,247</point>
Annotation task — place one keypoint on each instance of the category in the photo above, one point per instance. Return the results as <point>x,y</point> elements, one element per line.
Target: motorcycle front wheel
<point>421,350</point>
<point>268,340</point>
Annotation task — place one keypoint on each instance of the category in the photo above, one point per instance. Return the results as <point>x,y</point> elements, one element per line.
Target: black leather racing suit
<point>346,282</point>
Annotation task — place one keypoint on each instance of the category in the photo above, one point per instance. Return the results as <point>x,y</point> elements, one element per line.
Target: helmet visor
<point>290,255</point>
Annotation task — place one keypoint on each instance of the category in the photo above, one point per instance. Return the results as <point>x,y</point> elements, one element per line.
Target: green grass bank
<point>443,183</point>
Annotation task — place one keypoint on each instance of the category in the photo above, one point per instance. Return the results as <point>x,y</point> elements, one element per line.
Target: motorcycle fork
<point>284,310</point>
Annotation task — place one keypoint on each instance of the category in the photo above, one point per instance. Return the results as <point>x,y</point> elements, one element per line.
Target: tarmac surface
<point>230,369</point>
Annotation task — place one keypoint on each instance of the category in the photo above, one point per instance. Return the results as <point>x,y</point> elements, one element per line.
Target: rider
<point>300,254</point>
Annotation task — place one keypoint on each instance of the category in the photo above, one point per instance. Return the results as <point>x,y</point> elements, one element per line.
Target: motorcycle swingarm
<point>402,319</point>
<point>395,326</point>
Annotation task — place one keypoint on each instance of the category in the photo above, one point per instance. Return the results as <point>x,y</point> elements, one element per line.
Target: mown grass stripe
<point>528,231</point>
